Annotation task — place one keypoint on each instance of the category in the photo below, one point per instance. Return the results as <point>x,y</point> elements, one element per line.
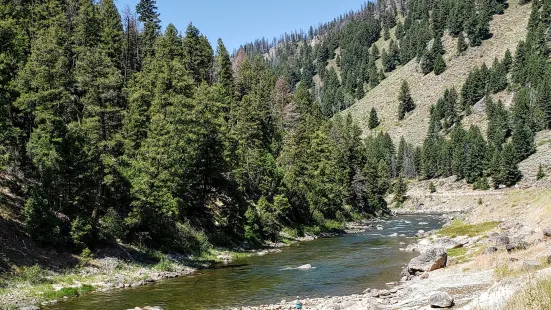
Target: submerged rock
<point>441,300</point>
<point>304,267</point>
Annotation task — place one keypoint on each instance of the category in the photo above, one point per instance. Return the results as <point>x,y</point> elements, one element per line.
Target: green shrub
<point>432,188</point>
<point>68,292</point>
<point>540,174</point>
<point>164,265</point>
<point>33,275</point>
<point>481,184</point>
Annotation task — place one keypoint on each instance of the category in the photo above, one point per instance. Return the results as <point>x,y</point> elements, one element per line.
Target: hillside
<point>507,30</point>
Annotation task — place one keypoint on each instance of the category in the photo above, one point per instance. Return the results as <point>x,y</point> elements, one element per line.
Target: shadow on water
<point>343,266</point>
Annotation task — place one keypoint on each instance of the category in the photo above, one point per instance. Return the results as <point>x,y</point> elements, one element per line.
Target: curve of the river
<point>342,266</point>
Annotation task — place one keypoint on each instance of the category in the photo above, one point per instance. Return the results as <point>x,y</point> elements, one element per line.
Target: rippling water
<point>343,266</point>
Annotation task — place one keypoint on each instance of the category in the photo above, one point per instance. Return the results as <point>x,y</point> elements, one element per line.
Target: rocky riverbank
<point>462,266</point>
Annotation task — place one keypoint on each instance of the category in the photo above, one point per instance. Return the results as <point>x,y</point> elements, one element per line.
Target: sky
<point>242,21</point>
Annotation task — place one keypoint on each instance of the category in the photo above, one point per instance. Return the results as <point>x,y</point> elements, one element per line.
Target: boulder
<point>522,245</point>
<point>447,243</point>
<point>531,264</point>
<point>489,250</point>
<point>432,259</point>
<point>441,300</point>
<point>501,240</point>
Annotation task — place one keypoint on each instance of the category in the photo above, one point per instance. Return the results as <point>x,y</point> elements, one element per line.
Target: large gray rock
<point>447,243</point>
<point>432,259</point>
<point>441,300</point>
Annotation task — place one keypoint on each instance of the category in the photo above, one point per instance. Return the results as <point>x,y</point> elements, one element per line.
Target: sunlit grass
<point>459,228</point>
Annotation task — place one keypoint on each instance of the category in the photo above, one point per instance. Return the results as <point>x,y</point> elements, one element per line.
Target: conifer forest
<point>113,128</point>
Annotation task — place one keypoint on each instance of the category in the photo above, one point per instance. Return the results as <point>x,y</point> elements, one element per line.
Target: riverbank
<point>498,256</point>
<point>127,267</point>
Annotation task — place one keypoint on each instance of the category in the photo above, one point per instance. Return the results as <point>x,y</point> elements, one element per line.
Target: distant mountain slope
<point>507,30</point>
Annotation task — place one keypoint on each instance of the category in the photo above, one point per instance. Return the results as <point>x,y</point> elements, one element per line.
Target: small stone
<point>547,232</point>
<point>384,292</point>
<point>490,250</point>
<point>425,275</point>
<point>374,293</point>
<point>441,300</point>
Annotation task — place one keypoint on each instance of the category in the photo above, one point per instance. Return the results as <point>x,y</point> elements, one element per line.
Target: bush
<point>82,233</point>
<point>42,225</point>
<point>69,292</point>
<point>481,184</point>
<point>432,188</point>
<point>111,225</point>
<point>185,238</point>
<point>540,174</point>
<point>33,275</point>
<point>164,265</point>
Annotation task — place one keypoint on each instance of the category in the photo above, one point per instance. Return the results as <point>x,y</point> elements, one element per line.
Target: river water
<point>342,266</point>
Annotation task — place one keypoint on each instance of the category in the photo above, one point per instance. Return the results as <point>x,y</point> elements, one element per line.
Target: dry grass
<point>536,296</point>
<point>507,30</point>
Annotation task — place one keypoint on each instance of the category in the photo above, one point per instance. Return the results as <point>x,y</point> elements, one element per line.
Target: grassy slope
<point>507,30</point>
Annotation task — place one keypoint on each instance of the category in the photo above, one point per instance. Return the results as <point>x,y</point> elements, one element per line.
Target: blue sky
<point>242,21</point>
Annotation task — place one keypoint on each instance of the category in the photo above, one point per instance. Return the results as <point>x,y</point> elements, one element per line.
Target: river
<point>342,266</point>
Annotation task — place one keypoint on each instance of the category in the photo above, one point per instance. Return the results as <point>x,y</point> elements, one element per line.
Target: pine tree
<point>386,33</point>
<point>111,33</point>
<point>12,54</point>
<point>510,174</point>
<point>461,44</point>
<point>198,55</point>
<point>147,14</point>
<point>373,119</point>
<point>44,102</point>
<point>475,155</point>
<point>223,69</point>
<point>400,192</point>
<point>406,102</point>
<point>439,65</point>
<point>541,174</point>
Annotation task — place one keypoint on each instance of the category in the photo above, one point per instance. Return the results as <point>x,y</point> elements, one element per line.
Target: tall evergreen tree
<point>148,15</point>
<point>373,119</point>
<point>198,55</point>
<point>406,103</point>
